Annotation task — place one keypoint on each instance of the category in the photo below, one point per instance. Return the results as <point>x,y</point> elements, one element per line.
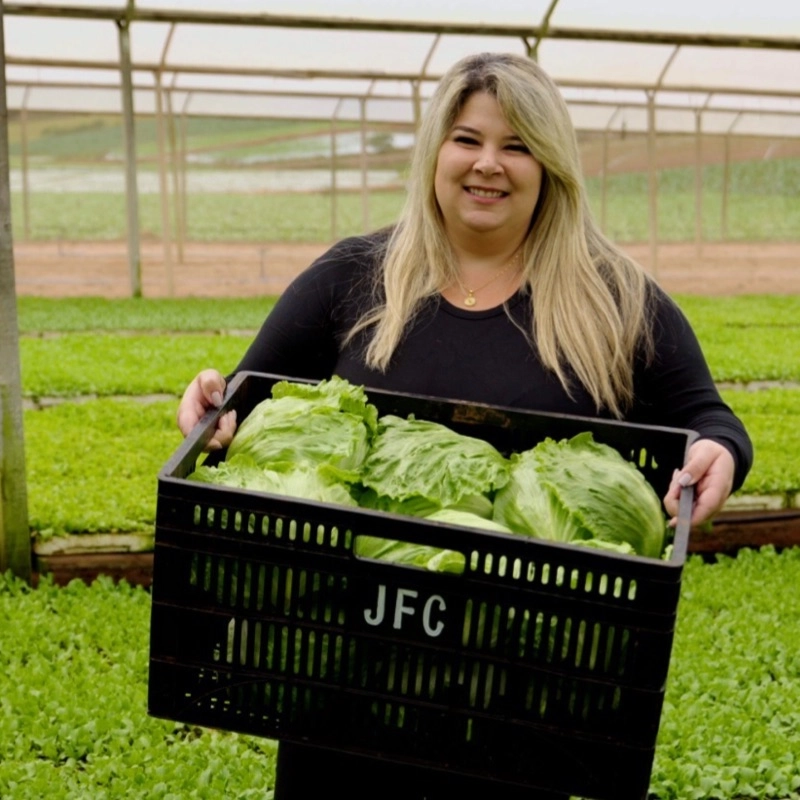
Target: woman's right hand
<point>202,394</point>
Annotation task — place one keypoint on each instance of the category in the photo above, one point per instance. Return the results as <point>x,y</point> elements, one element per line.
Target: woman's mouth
<point>486,194</point>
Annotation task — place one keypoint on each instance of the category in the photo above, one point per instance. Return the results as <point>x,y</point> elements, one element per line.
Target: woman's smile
<point>485,194</point>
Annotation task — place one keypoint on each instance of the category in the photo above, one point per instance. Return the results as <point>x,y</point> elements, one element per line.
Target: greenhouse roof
<point>734,63</point>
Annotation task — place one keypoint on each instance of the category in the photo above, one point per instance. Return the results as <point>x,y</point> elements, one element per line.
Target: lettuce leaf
<point>319,484</point>
<point>413,458</point>
<point>330,422</point>
<point>456,516</point>
<point>433,559</point>
<point>579,490</point>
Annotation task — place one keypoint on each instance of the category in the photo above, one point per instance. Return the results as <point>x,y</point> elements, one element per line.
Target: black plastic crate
<point>542,665</point>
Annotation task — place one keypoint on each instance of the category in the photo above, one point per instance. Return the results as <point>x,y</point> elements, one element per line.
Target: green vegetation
<point>762,202</point>
<point>88,352</point>
<point>64,138</point>
<point>95,216</point>
<point>39,315</point>
<point>73,720</point>
<point>104,364</point>
<point>739,336</point>
<point>92,466</point>
<point>297,217</point>
<point>73,707</point>
<point>73,689</point>
<point>730,724</point>
<point>73,682</point>
<point>772,418</point>
<point>109,452</point>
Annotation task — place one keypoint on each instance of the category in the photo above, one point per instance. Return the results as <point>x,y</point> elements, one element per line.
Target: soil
<point>220,269</point>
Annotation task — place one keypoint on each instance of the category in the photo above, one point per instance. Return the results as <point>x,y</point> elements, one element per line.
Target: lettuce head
<point>327,423</point>
<point>413,458</point>
<point>581,491</point>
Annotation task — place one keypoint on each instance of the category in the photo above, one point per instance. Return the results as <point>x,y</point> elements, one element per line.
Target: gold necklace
<point>469,294</point>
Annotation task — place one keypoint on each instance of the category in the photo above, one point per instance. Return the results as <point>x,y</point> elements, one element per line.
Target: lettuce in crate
<point>584,492</point>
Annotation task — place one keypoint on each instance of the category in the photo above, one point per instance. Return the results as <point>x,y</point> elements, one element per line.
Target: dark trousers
<point>306,772</point>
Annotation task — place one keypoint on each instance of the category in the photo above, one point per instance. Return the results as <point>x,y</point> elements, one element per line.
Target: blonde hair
<point>590,299</point>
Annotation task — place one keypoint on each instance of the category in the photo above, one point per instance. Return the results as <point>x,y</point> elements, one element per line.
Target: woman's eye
<point>465,140</point>
<point>518,148</point>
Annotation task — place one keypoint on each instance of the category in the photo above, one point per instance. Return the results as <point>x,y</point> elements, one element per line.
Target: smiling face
<point>487,182</point>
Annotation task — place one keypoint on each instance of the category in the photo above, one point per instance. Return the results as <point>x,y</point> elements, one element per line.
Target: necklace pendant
<point>470,300</point>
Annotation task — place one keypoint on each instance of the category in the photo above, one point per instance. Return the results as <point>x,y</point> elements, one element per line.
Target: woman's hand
<point>203,393</point>
<point>709,468</point>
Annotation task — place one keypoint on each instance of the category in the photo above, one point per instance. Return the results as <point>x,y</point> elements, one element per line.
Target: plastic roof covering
<point>736,62</point>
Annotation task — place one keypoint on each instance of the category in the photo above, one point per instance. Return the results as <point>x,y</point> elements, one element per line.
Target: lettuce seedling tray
<point>542,665</point>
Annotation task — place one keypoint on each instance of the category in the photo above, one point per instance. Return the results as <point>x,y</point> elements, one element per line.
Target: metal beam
<point>406,26</point>
<point>400,77</point>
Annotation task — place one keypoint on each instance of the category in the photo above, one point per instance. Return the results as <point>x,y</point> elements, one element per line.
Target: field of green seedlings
<point>121,365</point>
<point>101,381</point>
<point>73,689</point>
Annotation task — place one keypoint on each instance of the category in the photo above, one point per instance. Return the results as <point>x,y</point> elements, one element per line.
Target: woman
<point>495,286</point>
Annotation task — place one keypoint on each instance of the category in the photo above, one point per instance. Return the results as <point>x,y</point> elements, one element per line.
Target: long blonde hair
<point>590,299</point>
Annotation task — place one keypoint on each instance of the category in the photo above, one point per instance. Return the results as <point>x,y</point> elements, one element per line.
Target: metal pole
<point>176,183</point>
<point>131,187</point>
<point>652,181</point>
<point>364,168</point>
<point>15,538</point>
<point>416,86</point>
<point>604,174</point>
<point>166,236</point>
<point>26,188</point>
<point>334,165</point>
<point>651,158</point>
<point>184,168</point>
<point>698,182</point>
<point>726,177</point>
<point>604,185</point>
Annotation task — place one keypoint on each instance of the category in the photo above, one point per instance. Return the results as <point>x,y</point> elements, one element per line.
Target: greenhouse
<point>169,168</point>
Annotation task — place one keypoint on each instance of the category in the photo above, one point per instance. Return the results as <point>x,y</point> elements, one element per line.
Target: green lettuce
<point>417,506</point>
<point>457,516</point>
<point>328,423</point>
<point>581,491</point>
<point>308,482</point>
<point>424,556</point>
<point>413,458</point>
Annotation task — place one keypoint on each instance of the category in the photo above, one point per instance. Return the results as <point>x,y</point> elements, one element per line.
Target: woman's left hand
<point>709,468</point>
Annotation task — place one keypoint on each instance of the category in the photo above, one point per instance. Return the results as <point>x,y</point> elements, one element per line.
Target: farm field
<point>101,378</point>
<point>74,684</point>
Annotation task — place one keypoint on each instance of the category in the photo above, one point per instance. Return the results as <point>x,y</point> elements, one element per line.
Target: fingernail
<point>685,479</point>
<point>216,399</point>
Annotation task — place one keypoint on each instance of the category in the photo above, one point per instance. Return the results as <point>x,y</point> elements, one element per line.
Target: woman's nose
<point>486,162</point>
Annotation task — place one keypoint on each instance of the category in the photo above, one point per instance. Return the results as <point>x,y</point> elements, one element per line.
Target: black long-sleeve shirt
<point>480,356</point>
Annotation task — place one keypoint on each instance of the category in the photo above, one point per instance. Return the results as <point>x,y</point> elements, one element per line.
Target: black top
<point>479,356</point>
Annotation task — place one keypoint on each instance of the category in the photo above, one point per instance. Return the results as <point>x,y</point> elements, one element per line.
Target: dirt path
<point>75,269</point>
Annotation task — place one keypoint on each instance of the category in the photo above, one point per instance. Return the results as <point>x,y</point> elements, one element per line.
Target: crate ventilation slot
<point>269,588</point>
<point>545,575</point>
<point>280,528</point>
